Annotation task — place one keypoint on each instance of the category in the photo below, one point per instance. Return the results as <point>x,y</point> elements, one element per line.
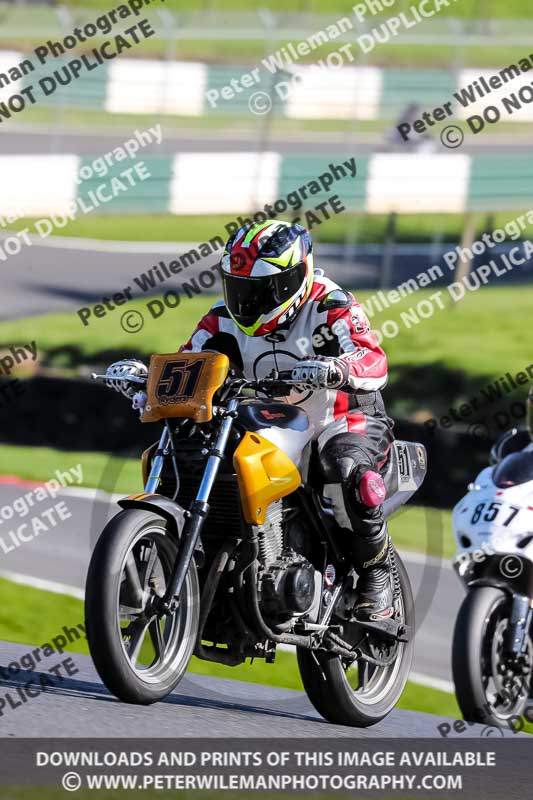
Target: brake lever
<point>130,378</point>
<point>274,388</point>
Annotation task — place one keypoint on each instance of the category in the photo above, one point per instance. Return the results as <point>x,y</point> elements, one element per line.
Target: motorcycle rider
<point>280,313</point>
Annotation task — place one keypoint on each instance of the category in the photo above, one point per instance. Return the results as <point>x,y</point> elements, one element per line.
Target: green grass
<point>364,228</point>
<point>452,354</point>
<point>423,530</point>
<point>469,9</point>
<point>249,52</point>
<point>463,337</point>
<point>108,473</point>
<point>465,8</point>
<point>243,125</point>
<point>22,31</point>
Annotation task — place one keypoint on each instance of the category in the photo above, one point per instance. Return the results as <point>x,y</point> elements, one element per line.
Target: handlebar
<point>129,378</point>
<point>278,384</point>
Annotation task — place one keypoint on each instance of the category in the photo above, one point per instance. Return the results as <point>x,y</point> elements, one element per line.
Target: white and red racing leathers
<point>330,323</point>
<point>351,427</point>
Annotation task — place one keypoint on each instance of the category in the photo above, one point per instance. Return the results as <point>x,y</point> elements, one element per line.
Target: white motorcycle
<point>492,655</point>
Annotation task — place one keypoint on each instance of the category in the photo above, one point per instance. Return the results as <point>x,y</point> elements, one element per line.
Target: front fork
<point>152,484</point>
<point>519,624</point>
<point>199,508</point>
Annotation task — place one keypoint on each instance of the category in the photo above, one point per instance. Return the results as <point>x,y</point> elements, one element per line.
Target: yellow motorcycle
<point>231,549</point>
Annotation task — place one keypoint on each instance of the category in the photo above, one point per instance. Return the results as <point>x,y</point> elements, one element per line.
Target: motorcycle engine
<point>289,584</point>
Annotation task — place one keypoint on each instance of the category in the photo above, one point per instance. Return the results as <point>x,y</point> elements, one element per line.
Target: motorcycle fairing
<point>183,385</point>
<point>264,474</point>
<point>492,521</point>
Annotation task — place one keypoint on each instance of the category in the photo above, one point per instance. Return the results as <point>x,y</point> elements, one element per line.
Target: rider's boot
<point>370,552</point>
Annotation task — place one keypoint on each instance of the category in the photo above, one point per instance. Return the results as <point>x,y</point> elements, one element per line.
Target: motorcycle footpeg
<point>387,627</point>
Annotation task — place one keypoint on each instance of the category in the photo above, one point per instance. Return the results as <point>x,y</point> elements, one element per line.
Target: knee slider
<point>371,489</point>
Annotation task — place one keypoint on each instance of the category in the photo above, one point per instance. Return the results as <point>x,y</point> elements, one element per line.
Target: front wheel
<point>139,656</point>
<point>491,685</point>
<point>361,693</point>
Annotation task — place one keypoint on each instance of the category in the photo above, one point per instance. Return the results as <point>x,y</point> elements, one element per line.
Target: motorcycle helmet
<point>267,274</point>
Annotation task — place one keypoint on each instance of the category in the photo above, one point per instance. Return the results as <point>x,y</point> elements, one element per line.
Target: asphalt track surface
<point>204,707</point>
<point>64,274</point>
<point>200,706</point>
<point>50,140</point>
<point>62,555</point>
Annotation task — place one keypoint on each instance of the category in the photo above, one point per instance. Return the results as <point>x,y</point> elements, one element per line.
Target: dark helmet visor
<point>248,298</point>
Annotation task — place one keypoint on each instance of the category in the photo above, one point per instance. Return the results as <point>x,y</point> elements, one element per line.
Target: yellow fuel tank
<point>265,473</point>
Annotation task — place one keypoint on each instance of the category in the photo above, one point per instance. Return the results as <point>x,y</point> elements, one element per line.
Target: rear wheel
<point>360,693</point>
<point>139,655</point>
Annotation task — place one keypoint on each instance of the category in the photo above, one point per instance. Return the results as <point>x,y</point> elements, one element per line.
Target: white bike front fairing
<point>491,520</point>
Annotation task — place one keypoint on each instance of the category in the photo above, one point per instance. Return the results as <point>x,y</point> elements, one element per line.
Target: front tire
<point>329,681</point>
<point>139,656</point>
<point>478,652</point>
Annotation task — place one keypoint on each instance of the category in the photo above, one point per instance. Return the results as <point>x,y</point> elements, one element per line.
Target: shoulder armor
<point>219,309</point>
<point>337,298</point>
